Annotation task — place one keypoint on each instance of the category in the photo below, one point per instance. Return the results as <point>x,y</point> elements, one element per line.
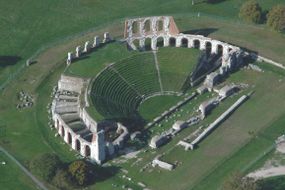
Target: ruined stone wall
<point>68,83</point>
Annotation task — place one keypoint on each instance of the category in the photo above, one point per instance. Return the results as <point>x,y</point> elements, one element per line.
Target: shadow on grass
<point>6,60</point>
<point>274,183</point>
<point>214,1</point>
<point>204,31</point>
<point>104,173</point>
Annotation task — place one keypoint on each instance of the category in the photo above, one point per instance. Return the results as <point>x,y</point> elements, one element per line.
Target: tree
<point>81,172</point>
<point>251,12</point>
<point>276,18</point>
<point>45,165</point>
<point>62,180</point>
<point>237,182</point>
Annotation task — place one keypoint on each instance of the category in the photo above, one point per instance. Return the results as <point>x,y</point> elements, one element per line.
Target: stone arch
<point>208,47</point>
<point>77,145</point>
<point>69,138</point>
<point>184,42</point>
<point>160,42</point>
<point>196,44</point>
<point>159,25</point>
<point>147,25</point>
<point>220,49</point>
<point>87,151</point>
<point>148,43</point>
<point>136,42</point>
<point>62,131</point>
<point>135,27</point>
<point>172,41</point>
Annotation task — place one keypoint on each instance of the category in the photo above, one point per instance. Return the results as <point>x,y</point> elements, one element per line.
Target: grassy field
<point>12,177</point>
<point>160,103</point>
<point>175,65</point>
<point>31,27</point>
<point>229,148</point>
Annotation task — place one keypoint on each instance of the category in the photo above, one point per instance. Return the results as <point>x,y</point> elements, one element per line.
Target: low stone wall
<point>221,118</point>
<point>68,83</point>
<point>88,120</point>
<point>87,47</point>
<point>171,110</point>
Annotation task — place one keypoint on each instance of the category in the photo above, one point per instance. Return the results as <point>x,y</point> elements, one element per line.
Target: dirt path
<point>29,174</point>
<point>269,172</point>
<point>158,71</point>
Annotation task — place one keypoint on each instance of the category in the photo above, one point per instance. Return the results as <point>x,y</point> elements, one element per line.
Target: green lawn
<point>155,106</point>
<point>175,65</point>
<point>89,66</point>
<point>12,177</point>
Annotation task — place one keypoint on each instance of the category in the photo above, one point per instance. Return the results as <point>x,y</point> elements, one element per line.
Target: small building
<point>179,125</point>
<point>158,140</point>
<point>161,164</point>
<point>228,90</point>
<point>207,106</point>
<point>202,89</point>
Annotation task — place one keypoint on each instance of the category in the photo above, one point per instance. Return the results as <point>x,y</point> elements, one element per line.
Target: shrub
<point>251,12</point>
<point>276,18</point>
<point>81,172</point>
<point>237,182</point>
<point>62,180</point>
<point>45,165</point>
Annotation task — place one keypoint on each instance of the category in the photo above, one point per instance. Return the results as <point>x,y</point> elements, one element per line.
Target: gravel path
<point>268,172</point>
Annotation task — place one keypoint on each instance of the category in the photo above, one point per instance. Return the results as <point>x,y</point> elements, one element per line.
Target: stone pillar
<point>69,58</point>
<point>132,45</point>
<point>78,51</point>
<point>154,43</point>
<point>153,26</point>
<point>214,48</point>
<point>190,43</point>
<point>226,52</point>
<point>86,47</point>
<point>82,149</point>
<point>166,23</point>
<point>73,145</point>
<point>166,41</point>
<point>142,30</point>
<point>56,123</point>
<point>96,41</point>
<point>202,45</point>
<point>178,42</point>
<point>98,147</point>
<point>107,37</point>
<point>130,28</point>
<point>142,44</point>
<point>66,135</point>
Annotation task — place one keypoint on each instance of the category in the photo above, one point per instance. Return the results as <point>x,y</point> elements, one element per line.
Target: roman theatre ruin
<point>82,132</point>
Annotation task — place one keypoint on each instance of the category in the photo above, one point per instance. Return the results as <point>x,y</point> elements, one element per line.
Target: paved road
<point>29,174</point>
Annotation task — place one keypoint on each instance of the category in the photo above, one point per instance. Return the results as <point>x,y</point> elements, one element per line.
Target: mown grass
<point>155,106</point>
<point>12,177</point>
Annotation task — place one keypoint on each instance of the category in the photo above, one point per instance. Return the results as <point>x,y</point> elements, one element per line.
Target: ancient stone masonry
<point>77,127</point>
<point>162,32</point>
<point>73,123</point>
<point>87,47</point>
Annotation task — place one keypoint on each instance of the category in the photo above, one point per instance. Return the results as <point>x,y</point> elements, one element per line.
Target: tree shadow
<point>103,173</point>
<point>7,60</point>
<point>204,31</point>
<point>214,1</point>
